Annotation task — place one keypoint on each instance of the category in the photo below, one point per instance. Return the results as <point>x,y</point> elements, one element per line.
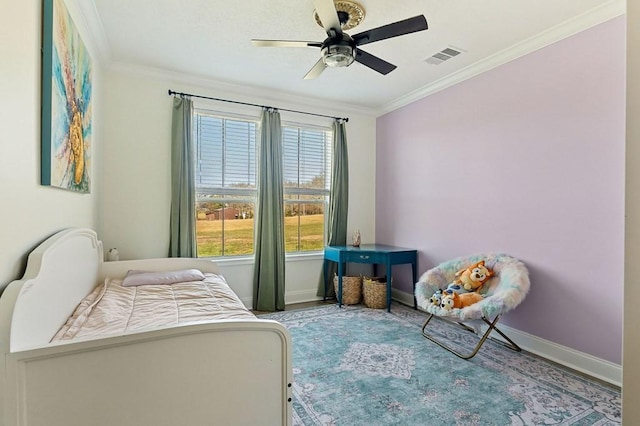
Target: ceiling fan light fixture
<point>350,14</point>
<point>340,49</point>
<point>338,55</point>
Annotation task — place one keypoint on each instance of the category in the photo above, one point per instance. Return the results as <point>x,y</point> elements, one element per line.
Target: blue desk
<point>372,254</point>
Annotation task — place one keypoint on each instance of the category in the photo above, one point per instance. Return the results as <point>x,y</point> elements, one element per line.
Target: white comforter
<point>112,309</point>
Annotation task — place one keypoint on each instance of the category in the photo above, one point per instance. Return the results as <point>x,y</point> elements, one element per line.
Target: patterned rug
<point>358,366</point>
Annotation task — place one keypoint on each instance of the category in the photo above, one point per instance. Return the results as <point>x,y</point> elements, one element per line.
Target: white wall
<point>534,142</point>
<point>631,338</point>
<point>136,176</point>
<point>31,212</point>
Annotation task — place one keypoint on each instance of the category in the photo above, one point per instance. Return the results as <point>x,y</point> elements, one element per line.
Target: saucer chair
<point>502,292</point>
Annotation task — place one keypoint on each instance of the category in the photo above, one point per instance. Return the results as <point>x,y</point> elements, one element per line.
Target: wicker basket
<point>374,291</point>
<point>351,289</point>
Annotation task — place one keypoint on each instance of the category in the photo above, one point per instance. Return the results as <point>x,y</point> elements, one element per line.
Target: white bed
<point>223,372</point>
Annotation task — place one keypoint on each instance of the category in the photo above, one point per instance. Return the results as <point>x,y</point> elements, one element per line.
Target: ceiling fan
<point>340,49</point>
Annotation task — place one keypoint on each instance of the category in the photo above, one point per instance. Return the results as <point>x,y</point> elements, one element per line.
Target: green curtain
<point>338,201</point>
<point>268,272</point>
<point>182,226</point>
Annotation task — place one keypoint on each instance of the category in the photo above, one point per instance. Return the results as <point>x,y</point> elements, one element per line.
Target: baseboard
<point>595,367</point>
<point>290,298</point>
<point>301,296</point>
<point>576,360</point>
<point>402,297</point>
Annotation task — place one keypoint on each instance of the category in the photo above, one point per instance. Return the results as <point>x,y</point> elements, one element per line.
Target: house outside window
<point>226,186</point>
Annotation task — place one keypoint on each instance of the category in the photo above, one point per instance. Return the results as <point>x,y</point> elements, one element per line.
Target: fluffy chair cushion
<point>502,292</point>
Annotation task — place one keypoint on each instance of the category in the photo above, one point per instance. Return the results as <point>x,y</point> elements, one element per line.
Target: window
<point>226,190</point>
<point>225,184</point>
<point>307,169</point>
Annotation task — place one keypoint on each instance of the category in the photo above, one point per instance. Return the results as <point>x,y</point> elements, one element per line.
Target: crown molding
<point>85,16</point>
<point>591,18</point>
<point>268,96</point>
<point>90,26</point>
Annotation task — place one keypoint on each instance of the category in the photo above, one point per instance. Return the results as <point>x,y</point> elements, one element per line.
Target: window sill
<point>248,260</point>
<point>300,257</point>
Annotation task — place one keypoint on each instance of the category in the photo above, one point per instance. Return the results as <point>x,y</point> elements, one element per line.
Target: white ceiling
<point>210,39</point>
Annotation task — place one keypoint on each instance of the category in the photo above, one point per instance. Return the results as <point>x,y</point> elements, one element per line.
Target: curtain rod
<point>171,92</point>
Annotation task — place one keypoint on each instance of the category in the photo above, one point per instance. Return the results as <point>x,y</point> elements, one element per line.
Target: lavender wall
<point>527,159</point>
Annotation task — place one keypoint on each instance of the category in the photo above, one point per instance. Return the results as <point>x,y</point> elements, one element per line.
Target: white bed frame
<point>233,372</point>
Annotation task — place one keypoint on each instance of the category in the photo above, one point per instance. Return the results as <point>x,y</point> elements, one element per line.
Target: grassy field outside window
<point>239,235</point>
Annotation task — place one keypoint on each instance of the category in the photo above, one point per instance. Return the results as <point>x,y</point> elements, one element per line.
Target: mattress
<point>111,309</point>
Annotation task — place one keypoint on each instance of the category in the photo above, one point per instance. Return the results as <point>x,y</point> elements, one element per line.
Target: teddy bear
<point>473,277</point>
<point>454,300</point>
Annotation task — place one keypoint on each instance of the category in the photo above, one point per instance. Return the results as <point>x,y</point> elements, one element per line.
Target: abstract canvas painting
<point>66,102</point>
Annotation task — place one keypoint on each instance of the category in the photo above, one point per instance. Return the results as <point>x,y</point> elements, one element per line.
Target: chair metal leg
<point>492,326</point>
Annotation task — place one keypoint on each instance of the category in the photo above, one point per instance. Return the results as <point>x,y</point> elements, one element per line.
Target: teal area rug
<point>358,366</point>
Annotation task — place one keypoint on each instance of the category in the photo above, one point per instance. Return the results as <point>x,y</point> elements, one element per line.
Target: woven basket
<point>351,289</point>
<point>374,291</point>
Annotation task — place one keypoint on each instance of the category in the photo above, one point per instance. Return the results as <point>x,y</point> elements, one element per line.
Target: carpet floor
<point>359,366</point>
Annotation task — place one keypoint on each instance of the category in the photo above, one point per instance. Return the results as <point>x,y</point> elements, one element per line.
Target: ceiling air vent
<point>443,55</point>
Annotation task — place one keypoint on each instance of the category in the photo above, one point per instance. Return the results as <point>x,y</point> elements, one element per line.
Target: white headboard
<point>60,272</point>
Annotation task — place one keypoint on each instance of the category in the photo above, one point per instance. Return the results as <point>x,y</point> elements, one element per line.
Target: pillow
<point>135,278</point>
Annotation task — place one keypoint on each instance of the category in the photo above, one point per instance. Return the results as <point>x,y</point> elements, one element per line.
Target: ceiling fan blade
<point>407,26</point>
<point>373,62</point>
<point>316,70</point>
<point>328,15</point>
<point>285,43</point>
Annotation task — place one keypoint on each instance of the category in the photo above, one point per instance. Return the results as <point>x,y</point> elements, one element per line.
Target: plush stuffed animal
<point>449,301</point>
<point>436,298</point>
<point>473,277</point>
<point>458,301</point>
<point>456,287</point>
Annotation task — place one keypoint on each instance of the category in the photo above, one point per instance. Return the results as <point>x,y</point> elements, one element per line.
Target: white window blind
<point>306,160</point>
<point>226,154</point>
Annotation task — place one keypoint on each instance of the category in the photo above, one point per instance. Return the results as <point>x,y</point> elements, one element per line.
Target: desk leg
<point>325,278</point>
<point>339,294</point>
<point>388,267</point>
<point>414,268</point>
